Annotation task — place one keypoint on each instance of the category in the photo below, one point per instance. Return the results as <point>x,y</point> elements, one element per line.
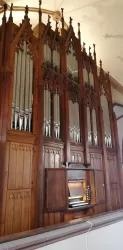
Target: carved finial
<point>49,17</point>
<point>11,8</point>
<point>94,48</point>
<point>108,75</point>
<point>71,21</point>
<point>84,45</point>
<point>62,17</point>
<point>89,50</point>
<point>79,34</point>
<point>94,52</point>
<point>26,11</point>
<point>5,9</point>
<point>40,12</point>
<point>101,64</point>
<point>56,25</point>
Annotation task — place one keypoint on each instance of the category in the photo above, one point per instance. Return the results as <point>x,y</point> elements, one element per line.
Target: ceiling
<point>100,21</point>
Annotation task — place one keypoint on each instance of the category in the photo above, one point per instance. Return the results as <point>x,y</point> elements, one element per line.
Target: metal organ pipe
<point>74,121</point>
<point>14,93</point>
<point>89,126</point>
<point>30,93</point>
<point>21,116</point>
<point>47,96</point>
<point>17,96</point>
<point>91,78</point>
<point>85,75</point>
<point>22,90</point>
<point>106,118</point>
<point>95,136</point>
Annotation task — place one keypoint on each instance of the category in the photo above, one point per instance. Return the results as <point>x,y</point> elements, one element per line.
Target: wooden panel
<point>78,214</point>
<point>96,161</point>
<point>25,212</point>
<point>52,218</point>
<point>56,189</point>
<point>52,157</point>
<point>114,182</point>
<point>100,187</point>
<point>27,166</point>
<point>9,214</point>
<point>17,211</point>
<point>77,156</point>
<point>101,208</point>
<point>20,166</point>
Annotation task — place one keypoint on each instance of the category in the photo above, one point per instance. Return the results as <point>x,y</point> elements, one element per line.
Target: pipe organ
<point>74,121</point>
<point>92,126</point>
<point>22,102</point>
<point>72,64</point>
<point>91,79</point>
<point>107,127</point>
<point>85,76</point>
<point>59,149</point>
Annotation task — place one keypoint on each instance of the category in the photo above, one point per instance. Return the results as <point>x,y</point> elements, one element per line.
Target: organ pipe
<point>74,121</point>
<point>91,79</point>
<point>106,119</point>
<point>72,64</point>
<point>95,137</point>
<point>22,90</point>
<point>89,126</point>
<point>85,75</point>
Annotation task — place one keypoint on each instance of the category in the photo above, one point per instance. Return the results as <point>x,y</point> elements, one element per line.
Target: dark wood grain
<point>56,189</point>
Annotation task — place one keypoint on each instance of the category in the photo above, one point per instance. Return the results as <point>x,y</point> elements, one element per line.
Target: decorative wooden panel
<point>100,187</point>
<point>77,156</point>
<point>52,218</point>
<point>20,166</point>
<point>56,189</point>
<point>96,161</point>
<point>52,157</point>
<point>18,209</point>
<point>19,202</point>
<point>114,182</point>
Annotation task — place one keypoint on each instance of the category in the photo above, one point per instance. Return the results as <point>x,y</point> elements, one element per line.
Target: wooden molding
<point>43,237</point>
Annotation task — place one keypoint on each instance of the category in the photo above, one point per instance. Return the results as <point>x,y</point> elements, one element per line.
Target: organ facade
<point>59,149</point>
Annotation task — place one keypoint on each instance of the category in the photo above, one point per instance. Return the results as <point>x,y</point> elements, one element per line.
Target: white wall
<point>119,111</point>
<point>106,238</point>
<point>116,96</point>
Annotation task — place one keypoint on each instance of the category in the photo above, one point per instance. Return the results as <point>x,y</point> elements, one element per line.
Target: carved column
<point>5,83</point>
<point>83,121</point>
<point>65,112</point>
<point>40,133</point>
<point>105,164</point>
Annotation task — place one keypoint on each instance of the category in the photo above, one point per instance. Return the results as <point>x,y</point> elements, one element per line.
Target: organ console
<point>79,187</point>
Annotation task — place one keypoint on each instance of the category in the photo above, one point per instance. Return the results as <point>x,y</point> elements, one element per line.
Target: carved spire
<point>40,11</point>
<point>79,33</point>
<point>5,9</point>
<point>49,17</point>
<point>62,17</point>
<point>108,75</point>
<point>56,25</point>
<point>84,50</point>
<point>26,11</point>
<point>100,64</point>
<point>10,17</point>
<point>94,52</point>
<point>70,21</point>
<point>89,51</point>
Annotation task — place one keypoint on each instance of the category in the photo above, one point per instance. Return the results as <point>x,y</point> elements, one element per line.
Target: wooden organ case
<point>59,149</point>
